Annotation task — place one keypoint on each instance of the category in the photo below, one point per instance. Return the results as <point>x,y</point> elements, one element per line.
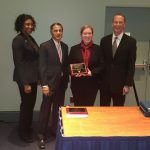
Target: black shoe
<point>26,138</point>
<point>41,142</point>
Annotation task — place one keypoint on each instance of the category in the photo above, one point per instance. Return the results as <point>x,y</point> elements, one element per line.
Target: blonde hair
<point>85,27</point>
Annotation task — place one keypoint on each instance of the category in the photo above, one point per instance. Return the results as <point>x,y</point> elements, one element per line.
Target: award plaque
<point>78,68</point>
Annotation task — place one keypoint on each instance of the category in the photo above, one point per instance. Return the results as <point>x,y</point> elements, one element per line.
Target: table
<point>106,128</point>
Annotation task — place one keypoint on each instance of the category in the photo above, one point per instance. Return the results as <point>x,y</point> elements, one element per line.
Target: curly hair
<point>20,21</point>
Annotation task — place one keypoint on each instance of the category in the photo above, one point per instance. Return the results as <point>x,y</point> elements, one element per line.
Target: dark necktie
<point>114,46</point>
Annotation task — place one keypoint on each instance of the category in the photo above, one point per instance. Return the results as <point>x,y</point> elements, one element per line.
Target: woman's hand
<point>78,74</point>
<point>84,74</point>
<point>89,72</point>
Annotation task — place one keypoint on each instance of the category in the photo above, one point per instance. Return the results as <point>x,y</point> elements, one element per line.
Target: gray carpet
<point>9,139</point>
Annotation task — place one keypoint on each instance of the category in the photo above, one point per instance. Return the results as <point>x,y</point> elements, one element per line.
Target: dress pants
<point>50,104</point>
<point>84,90</point>
<point>84,96</point>
<point>26,108</point>
<point>106,96</point>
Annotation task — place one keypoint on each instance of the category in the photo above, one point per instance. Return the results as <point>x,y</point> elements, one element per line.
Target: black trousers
<point>106,96</point>
<point>50,104</point>
<point>26,108</point>
<point>84,96</point>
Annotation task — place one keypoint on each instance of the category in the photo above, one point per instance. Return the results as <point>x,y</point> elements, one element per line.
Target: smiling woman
<point>25,56</point>
<point>28,26</point>
<point>84,86</point>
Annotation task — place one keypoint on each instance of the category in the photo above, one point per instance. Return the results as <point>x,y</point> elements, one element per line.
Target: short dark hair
<point>56,23</point>
<point>85,27</point>
<point>20,21</point>
<point>120,14</point>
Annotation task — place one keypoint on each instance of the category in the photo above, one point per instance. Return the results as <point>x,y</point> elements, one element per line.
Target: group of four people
<point>48,65</point>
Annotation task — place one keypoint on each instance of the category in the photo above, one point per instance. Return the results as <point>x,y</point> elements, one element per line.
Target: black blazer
<point>96,65</point>
<point>119,71</point>
<point>52,71</point>
<point>25,56</point>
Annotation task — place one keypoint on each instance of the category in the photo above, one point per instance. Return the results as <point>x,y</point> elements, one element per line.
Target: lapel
<point>54,50</point>
<point>78,53</point>
<point>92,53</point>
<point>109,46</point>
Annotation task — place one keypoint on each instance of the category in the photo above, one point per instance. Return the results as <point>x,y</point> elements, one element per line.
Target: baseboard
<point>13,116</point>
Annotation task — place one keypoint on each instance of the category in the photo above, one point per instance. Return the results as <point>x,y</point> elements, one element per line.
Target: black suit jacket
<point>50,67</point>
<point>119,71</point>
<point>25,56</point>
<point>96,66</point>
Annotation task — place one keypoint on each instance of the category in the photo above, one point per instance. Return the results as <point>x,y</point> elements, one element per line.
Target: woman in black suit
<point>25,56</point>
<point>84,87</point>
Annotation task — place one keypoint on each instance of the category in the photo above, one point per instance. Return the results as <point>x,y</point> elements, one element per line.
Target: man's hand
<point>27,88</point>
<point>126,90</point>
<point>46,91</point>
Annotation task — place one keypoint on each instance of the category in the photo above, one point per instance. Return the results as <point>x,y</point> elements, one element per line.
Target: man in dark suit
<point>119,56</point>
<point>53,67</point>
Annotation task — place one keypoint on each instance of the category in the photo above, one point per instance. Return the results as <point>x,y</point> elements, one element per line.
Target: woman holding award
<point>86,65</point>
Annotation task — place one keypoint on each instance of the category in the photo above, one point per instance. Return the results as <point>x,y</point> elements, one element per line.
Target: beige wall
<point>71,13</point>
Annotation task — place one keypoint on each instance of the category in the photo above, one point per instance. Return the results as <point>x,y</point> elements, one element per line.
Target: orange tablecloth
<point>107,121</point>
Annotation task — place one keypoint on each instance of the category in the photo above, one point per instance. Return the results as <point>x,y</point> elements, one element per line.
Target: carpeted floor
<point>9,139</point>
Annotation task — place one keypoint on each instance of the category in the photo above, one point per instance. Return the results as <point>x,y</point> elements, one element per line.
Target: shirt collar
<point>119,37</point>
<point>56,42</point>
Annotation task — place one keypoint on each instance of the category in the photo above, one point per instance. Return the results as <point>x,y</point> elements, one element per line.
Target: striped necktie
<point>114,46</point>
<point>59,51</point>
